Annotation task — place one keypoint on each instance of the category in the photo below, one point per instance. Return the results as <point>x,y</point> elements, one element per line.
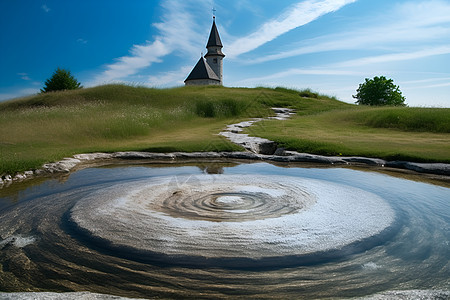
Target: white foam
<point>370,266</point>
<point>18,241</point>
<point>229,199</point>
<point>258,189</point>
<point>326,216</point>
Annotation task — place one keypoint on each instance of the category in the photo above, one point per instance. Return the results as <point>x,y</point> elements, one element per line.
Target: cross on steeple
<point>209,68</point>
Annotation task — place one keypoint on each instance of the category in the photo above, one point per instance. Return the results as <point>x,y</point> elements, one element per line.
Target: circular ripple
<point>232,216</point>
<point>231,199</point>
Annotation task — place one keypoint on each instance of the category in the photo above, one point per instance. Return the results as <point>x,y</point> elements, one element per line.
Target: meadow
<point>391,133</point>
<point>48,127</point>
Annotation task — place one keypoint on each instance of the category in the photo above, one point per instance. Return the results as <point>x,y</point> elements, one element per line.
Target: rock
<point>93,156</point>
<point>199,155</point>
<point>63,166</point>
<point>7,178</point>
<point>278,158</point>
<point>266,147</point>
<point>305,157</point>
<point>40,172</point>
<point>365,160</point>
<point>280,152</point>
<point>19,177</point>
<point>28,173</point>
<point>143,155</point>
<point>431,168</point>
<point>241,155</point>
<point>282,113</point>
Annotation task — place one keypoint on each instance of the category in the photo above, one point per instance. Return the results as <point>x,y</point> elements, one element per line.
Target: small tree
<point>379,91</point>
<point>61,80</point>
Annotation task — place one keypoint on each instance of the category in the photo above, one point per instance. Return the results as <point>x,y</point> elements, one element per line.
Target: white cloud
<point>408,24</point>
<point>428,86</point>
<point>177,28</point>
<point>293,72</point>
<point>19,93</point>
<point>141,57</point>
<point>428,80</point>
<point>347,68</point>
<point>82,41</point>
<point>170,78</point>
<point>300,14</point>
<point>395,57</point>
<point>45,8</point>
<point>24,76</point>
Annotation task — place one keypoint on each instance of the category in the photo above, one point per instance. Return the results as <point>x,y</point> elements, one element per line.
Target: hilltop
<point>47,127</point>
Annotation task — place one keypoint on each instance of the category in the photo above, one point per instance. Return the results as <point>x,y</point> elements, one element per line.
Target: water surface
<point>43,250</point>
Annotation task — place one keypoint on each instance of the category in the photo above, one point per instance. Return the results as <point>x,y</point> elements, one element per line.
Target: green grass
<point>413,134</point>
<point>48,127</point>
<point>403,118</point>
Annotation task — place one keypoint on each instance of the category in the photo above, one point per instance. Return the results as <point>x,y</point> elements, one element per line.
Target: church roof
<point>202,71</point>
<point>214,38</point>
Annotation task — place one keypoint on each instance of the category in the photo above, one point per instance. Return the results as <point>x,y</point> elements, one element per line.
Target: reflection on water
<point>41,251</point>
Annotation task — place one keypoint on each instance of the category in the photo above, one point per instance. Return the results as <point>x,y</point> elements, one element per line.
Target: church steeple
<point>209,70</point>
<point>215,56</point>
<point>214,38</point>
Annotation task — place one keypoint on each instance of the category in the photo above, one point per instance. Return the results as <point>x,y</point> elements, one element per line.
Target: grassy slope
<point>110,118</point>
<point>416,134</point>
<point>48,127</point>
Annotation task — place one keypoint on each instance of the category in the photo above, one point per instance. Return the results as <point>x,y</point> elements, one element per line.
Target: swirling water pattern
<point>54,239</point>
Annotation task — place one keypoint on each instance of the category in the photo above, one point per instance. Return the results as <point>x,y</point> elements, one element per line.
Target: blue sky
<point>329,46</point>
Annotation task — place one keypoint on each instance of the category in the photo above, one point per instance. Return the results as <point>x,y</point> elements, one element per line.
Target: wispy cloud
<point>24,76</point>
<point>347,68</point>
<point>45,8</point>
<point>298,15</point>
<point>169,78</point>
<point>19,93</point>
<point>82,41</point>
<point>295,71</point>
<point>430,86</point>
<point>411,23</point>
<point>177,28</point>
<point>394,57</point>
<point>427,83</point>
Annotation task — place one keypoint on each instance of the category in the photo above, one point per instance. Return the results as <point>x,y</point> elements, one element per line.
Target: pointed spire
<point>214,38</point>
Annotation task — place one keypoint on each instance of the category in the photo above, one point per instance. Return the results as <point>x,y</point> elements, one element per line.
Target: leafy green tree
<point>379,91</point>
<point>61,80</point>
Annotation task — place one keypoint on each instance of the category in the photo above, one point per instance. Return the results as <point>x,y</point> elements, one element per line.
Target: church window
<point>215,60</point>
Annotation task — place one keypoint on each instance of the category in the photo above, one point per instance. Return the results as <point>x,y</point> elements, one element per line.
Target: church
<point>209,69</point>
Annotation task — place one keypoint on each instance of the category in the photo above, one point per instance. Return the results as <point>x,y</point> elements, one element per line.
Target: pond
<point>225,230</point>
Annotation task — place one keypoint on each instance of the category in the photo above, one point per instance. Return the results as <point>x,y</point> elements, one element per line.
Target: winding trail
<point>255,144</point>
<point>257,149</point>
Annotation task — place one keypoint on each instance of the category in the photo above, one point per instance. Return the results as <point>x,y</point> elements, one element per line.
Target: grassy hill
<point>48,127</point>
<point>411,134</point>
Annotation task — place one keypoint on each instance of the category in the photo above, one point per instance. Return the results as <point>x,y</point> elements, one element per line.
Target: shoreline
<point>70,164</point>
<point>257,149</point>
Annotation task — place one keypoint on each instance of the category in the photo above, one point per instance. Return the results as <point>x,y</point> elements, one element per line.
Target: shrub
<point>217,109</point>
<point>308,94</point>
<point>379,91</point>
<point>61,80</point>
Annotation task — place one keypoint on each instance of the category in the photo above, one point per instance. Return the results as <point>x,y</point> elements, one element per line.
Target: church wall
<point>202,82</point>
<point>215,61</point>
